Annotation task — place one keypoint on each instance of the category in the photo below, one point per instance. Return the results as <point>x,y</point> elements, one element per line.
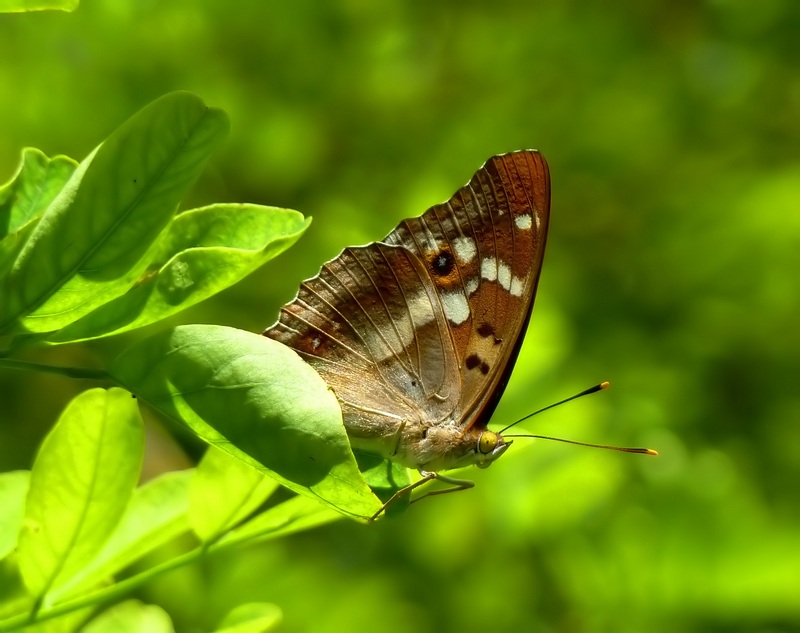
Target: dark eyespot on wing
<point>442,263</point>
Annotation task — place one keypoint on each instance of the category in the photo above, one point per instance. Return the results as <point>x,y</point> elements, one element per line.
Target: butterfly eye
<point>487,442</point>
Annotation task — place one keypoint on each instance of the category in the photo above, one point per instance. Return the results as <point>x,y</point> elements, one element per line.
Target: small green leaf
<point>131,616</point>
<point>254,398</point>
<point>13,488</point>
<point>385,478</point>
<point>97,237</point>
<point>26,196</point>
<point>81,481</point>
<point>253,617</point>
<point>224,492</point>
<point>22,6</point>
<point>204,251</point>
<point>156,514</point>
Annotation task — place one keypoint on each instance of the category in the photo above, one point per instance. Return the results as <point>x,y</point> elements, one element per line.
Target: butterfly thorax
<point>435,447</point>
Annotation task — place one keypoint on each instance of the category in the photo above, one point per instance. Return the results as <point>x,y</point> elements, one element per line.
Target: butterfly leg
<point>457,484</point>
<point>426,477</point>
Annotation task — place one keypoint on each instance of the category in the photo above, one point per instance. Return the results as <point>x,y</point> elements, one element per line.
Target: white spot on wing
<point>465,249</point>
<point>523,222</point>
<point>504,276</point>
<point>492,270</point>
<point>517,286</point>
<point>472,285</point>
<point>455,305</point>
<point>489,268</point>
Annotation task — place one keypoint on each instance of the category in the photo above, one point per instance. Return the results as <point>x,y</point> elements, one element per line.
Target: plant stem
<point>103,596</point>
<point>69,372</point>
<point>227,541</point>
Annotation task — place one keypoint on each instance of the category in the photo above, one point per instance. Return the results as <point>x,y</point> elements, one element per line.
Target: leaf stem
<point>78,373</point>
<point>230,540</point>
<point>117,590</point>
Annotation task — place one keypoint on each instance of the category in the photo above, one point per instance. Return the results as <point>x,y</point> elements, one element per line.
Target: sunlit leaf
<point>294,515</point>
<point>131,616</point>
<point>26,196</point>
<point>253,617</point>
<point>225,491</point>
<point>13,488</point>
<point>204,251</point>
<point>101,231</point>
<point>254,398</point>
<point>156,514</point>
<point>81,481</point>
<point>21,6</point>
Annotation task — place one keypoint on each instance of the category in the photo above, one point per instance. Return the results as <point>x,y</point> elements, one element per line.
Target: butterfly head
<point>490,446</point>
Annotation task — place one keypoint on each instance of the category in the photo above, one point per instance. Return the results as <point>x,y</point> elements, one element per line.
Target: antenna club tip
<point>650,451</point>
<point>604,385</point>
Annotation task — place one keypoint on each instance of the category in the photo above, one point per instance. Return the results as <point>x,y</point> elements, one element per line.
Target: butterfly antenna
<point>585,392</point>
<point>623,449</point>
<point>603,385</point>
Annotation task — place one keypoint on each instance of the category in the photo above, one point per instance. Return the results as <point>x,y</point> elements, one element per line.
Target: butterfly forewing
<point>423,328</point>
<point>483,249</point>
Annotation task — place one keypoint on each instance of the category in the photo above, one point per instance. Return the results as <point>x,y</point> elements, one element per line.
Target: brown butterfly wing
<point>483,250</point>
<point>427,324</point>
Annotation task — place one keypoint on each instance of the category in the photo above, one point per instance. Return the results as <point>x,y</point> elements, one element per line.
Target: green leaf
<point>131,616</point>
<point>385,478</point>
<point>224,492</point>
<point>156,514</point>
<point>253,617</point>
<point>81,481</point>
<point>13,488</point>
<point>14,599</point>
<point>294,515</point>
<point>26,196</point>
<point>204,251</point>
<point>255,399</point>
<point>21,6</point>
<point>97,237</point>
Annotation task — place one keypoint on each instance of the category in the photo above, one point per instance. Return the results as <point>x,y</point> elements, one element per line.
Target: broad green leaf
<point>204,251</point>
<point>253,617</point>
<point>21,6</point>
<point>81,481</point>
<point>26,196</point>
<point>156,514</point>
<point>97,237</point>
<point>295,515</point>
<point>224,492</point>
<point>131,616</point>
<point>254,398</point>
<point>13,488</point>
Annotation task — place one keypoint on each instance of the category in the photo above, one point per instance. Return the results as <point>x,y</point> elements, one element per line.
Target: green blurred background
<point>672,130</point>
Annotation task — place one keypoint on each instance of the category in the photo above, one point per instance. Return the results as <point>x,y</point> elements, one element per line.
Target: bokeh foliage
<point>672,270</point>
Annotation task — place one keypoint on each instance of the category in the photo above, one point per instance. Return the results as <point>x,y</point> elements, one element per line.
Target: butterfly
<point>417,334</point>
